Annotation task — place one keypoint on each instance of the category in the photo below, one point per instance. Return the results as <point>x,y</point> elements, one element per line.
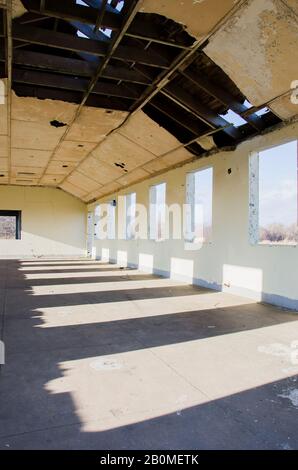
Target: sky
<point>203,193</point>
<point>278,185</point>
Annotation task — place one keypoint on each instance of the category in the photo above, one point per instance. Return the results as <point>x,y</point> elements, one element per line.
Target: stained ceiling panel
<point>93,124</point>
<point>258,49</point>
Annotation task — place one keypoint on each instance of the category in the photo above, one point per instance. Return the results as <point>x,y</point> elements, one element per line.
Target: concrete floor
<point>103,358</point>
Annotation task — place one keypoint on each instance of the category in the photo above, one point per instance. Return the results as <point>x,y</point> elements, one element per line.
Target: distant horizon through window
<point>278,211</point>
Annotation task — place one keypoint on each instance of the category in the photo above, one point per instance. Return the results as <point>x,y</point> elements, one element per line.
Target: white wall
<point>230,262</point>
<point>53,222</point>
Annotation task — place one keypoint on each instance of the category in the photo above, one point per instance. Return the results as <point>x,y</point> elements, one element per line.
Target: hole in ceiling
<point>247,104</point>
<point>2,176</point>
<point>120,165</point>
<point>229,171</point>
<point>80,145</point>
<point>64,166</point>
<point>262,111</point>
<point>109,111</point>
<point>233,118</point>
<point>106,31</point>
<point>56,123</point>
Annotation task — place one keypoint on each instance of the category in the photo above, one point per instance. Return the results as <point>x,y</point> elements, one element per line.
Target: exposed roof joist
<point>74,84</point>
<point>71,11</point>
<point>204,113</point>
<point>98,48</point>
<point>100,16</point>
<point>183,118</point>
<point>111,19</point>
<point>65,65</point>
<point>223,96</point>
<point>133,67</point>
<point>28,18</point>
<point>94,100</point>
<point>112,49</point>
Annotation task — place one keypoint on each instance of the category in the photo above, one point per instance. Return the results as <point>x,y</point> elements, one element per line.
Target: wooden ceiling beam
<point>98,48</point>
<point>223,96</point>
<point>97,101</point>
<point>201,110</point>
<point>28,18</point>
<point>174,114</point>
<point>70,11</point>
<point>45,79</point>
<point>100,16</point>
<point>69,66</point>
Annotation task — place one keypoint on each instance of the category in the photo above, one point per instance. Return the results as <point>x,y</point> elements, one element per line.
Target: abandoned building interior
<point>148,224</point>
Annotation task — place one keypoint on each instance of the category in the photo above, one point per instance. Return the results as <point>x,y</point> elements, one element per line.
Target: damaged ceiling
<point>103,93</point>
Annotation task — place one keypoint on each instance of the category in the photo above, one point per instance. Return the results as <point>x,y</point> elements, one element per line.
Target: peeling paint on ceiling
<point>198,17</point>
<point>258,49</point>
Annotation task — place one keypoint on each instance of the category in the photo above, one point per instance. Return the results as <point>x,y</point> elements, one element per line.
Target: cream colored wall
<point>230,262</point>
<point>53,222</point>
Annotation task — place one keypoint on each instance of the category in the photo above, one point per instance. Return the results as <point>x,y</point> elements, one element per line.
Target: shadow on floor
<point>37,410</point>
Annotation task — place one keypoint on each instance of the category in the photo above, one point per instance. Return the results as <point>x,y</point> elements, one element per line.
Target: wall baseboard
<point>273,299</point>
<point>36,257</point>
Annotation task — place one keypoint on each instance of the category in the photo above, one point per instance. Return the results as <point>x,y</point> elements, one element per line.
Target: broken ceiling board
<point>36,110</point>
<point>83,182</point>
<point>30,158</point>
<point>118,150</point>
<point>133,176</point>
<point>26,172</point>
<point>18,8</point>
<point>207,142</point>
<point>257,48</point>
<point>177,156</point>
<point>73,151</point>
<point>148,134</point>
<point>198,16</point>
<point>35,135</point>
<point>60,168</point>
<point>3,146</point>
<point>284,108</point>
<point>51,180</point>
<point>93,124</point>
<point>100,171</point>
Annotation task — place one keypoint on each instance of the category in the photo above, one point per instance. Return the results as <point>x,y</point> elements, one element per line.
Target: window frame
<point>111,228</point>
<point>186,238</point>
<point>153,206</point>
<point>254,195</point>
<point>18,215</point>
<point>132,235</point>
